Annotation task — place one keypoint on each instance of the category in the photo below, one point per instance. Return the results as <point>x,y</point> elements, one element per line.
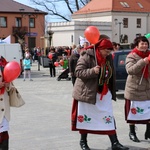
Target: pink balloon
<point>56,64</point>
<point>11,71</point>
<point>50,56</point>
<point>92,34</point>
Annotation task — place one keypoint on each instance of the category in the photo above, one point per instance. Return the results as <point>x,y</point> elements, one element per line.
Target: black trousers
<point>4,145</point>
<point>52,70</point>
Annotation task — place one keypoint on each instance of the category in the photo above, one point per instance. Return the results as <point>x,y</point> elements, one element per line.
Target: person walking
<point>27,67</point>
<point>137,88</point>
<point>4,107</point>
<point>93,92</point>
<point>35,57</point>
<point>73,62</point>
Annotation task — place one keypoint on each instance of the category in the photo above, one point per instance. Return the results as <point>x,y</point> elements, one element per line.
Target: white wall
<point>132,29</point>
<point>64,31</point>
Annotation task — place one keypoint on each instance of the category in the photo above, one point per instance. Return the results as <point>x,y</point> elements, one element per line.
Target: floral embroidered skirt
<point>137,112</point>
<point>96,119</point>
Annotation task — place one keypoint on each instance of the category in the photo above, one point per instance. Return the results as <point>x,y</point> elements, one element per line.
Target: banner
<point>6,40</point>
<point>82,40</point>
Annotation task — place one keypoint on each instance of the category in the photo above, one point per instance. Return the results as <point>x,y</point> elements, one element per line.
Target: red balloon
<point>92,34</point>
<point>11,71</point>
<point>61,62</point>
<point>56,64</point>
<point>50,56</point>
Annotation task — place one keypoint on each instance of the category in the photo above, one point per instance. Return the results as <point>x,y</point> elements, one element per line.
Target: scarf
<point>105,73</point>
<point>142,55</point>
<point>100,60</point>
<point>105,68</point>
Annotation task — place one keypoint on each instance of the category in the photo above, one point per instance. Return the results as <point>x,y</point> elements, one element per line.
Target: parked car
<point>119,64</point>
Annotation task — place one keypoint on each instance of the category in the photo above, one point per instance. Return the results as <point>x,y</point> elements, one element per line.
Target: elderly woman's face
<point>142,46</point>
<point>105,52</point>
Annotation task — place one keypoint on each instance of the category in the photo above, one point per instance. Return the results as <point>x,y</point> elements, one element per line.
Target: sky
<point>29,3</point>
<point>26,2</point>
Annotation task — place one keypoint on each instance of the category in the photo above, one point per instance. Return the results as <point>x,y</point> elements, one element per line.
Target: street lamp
<point>116,22</point>
<point>50,33</point>
<point>30,15</point>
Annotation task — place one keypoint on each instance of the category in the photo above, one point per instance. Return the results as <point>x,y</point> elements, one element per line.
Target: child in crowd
<point>65,64</point>
<point>27,67</point>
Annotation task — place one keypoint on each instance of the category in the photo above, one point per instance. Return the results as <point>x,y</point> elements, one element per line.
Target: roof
<point>9,6</point>
<point>115,6</point>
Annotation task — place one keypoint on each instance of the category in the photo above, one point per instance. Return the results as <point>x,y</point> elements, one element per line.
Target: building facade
<point>69,33</point>
<point>122,21</point>
<point>24,24</point>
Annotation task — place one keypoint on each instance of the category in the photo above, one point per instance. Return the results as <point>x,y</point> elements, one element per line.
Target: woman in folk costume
<point>93,92</point>
<point>4,108</point>
<point>137,89</point>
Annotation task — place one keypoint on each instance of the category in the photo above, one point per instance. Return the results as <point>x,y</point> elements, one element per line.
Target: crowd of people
<point>94,89</point>
<point>93,79</point>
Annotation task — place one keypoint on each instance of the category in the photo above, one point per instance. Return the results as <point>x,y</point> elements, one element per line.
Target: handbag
<point>15,98</point>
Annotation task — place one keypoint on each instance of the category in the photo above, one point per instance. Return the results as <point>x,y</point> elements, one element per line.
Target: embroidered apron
<point>139,110</point>
<point>98,116</point>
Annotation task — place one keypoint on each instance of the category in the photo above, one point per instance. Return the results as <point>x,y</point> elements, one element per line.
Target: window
<point>140,5</point>
<point>125,22</point>
<point>124,4</point>
<point>138,34</point>
<point>138,22</point>
<point>124,39</point>
<point>3,22</point>
<point>18,22</point>
<point>32,22</point>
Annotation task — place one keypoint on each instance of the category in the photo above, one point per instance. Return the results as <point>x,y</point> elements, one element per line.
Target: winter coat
<point>54,58</point>
<point>27,64</point>
<point>4,103</point>
<point>133,89</point>
<point>85,88</point>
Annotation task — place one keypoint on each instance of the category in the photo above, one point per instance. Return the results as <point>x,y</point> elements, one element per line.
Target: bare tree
<point>61,9</point>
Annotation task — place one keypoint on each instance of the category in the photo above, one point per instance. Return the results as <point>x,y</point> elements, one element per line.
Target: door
<point>32,43</point>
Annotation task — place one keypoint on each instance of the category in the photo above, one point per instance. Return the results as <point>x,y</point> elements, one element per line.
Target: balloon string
<point>95,55</point>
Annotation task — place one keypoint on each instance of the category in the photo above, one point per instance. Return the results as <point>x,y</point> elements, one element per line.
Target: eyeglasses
<point>110,49</point>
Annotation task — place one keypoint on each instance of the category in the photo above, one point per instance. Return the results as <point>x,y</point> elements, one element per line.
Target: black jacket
<point>73,62</point>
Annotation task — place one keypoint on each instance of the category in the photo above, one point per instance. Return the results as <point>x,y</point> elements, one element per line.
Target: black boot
<point>115,143</point>
<point>132,134</point>
<point>147,133</point>
<point>83,142</point>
